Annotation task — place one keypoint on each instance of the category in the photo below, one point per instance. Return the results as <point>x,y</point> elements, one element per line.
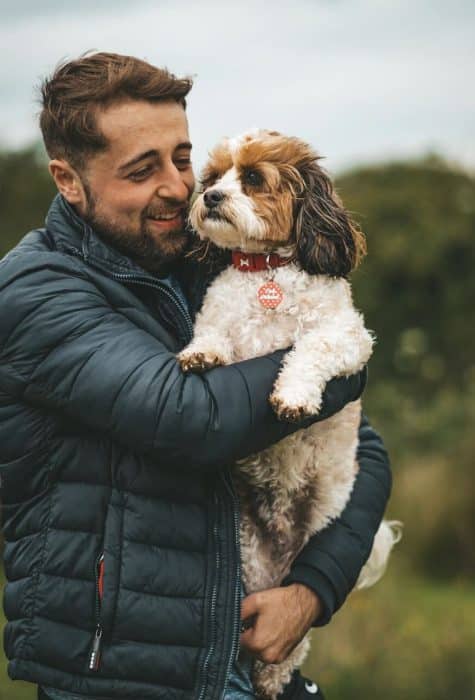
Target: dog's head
<point>263,191</point>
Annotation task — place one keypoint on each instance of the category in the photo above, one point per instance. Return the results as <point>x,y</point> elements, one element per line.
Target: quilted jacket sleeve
<point>331,561</point>
<point>63,347</point>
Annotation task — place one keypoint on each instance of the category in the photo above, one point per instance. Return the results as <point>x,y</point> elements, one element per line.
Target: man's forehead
<point>153,125</point>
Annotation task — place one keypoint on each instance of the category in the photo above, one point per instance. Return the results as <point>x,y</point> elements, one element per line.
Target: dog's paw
<point>199,361</point>
<point>285,411</point>
<point>293,404</point>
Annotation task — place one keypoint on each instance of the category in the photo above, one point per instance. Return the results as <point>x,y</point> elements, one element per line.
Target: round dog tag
<point>270,295</point>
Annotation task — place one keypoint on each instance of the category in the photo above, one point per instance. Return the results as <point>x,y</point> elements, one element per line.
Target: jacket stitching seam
<point>166,546</point>
<point>165,644</point>
<point>163,595</point>
<point>69,578</point>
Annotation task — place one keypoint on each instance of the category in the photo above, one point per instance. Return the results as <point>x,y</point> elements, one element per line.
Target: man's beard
<point>151,254</point>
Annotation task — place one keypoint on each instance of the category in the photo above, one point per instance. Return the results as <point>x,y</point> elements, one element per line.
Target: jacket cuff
<point>363,380</point>
<point>320,585</point>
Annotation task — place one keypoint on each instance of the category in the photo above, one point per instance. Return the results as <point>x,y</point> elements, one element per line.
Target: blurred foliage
<point>406,639</point>
<point>26,190</point>
<point>413,635</point>
<point>417,290</point>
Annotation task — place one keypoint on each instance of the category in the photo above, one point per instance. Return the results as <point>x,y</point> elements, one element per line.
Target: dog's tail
<point>389,533</point>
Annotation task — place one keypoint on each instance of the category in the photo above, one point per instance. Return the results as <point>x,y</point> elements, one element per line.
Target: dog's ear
<point>328,242</point>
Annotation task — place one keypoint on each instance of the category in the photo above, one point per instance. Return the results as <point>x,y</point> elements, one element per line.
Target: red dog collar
<point>255,262</point>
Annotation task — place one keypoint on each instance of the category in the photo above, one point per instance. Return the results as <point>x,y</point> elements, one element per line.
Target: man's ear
<point>68,182</point>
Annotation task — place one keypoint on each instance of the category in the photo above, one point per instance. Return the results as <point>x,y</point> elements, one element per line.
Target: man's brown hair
<point>78,89</point>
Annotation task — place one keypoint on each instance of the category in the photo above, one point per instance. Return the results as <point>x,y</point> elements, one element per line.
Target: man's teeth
<point>165,217</point>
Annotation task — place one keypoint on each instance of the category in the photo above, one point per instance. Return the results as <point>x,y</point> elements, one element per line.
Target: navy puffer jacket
<point>120,519</point>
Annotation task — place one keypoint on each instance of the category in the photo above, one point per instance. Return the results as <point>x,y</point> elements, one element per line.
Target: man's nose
<point>173,186</point>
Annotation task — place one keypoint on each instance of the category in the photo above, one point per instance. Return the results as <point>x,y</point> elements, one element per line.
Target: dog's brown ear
<point>328,242</point>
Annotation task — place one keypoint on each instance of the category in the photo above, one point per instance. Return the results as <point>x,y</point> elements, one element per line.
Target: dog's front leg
<point>211,345</point>
<point>337,348</point>
<point>205,352</point>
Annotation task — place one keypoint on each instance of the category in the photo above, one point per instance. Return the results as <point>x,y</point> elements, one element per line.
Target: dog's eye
<point>252,177</point>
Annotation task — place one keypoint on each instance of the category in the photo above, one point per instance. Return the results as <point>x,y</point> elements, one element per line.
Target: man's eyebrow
<point>149,154</point>
<point>146,154</point>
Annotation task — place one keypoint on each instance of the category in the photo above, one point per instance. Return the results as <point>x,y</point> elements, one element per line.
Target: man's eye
<point>141,174</point>
<point>183,163</point>
<point>253,178</point>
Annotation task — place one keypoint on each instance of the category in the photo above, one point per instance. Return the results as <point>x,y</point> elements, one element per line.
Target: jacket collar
<point>74,235</point>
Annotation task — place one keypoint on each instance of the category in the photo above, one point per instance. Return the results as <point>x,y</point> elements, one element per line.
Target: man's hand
<point>276,620</point>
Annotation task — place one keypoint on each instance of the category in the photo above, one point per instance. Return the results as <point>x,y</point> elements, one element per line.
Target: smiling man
<point>120,518</point>
<point>135,192</point>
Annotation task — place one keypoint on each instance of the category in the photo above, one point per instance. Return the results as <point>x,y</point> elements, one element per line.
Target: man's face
<point>137,191</point>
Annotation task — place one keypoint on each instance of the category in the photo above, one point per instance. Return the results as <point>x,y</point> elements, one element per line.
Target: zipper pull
<point>95,657</point>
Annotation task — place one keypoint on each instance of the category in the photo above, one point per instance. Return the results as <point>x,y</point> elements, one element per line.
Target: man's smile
<point>166,222</point>
<point>165,217</point>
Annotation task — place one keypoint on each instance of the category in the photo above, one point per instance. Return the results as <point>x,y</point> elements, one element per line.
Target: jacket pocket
<point>107,578</point>
<point>95,654</point>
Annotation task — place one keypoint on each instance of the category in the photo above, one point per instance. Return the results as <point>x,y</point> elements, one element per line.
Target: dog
<point>266,199</point>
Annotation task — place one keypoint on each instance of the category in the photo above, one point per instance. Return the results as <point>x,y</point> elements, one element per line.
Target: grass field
<point>405,639</point>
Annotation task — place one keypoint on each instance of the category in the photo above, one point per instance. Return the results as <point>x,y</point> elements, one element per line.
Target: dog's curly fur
<point>270,195</point>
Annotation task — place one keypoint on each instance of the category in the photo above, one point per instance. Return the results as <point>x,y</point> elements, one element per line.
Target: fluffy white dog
<point>266,199</point>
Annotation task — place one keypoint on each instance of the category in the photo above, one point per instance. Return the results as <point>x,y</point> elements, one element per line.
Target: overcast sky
<point>361,80</point>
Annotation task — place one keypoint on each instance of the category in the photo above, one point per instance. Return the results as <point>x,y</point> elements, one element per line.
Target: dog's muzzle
<point>213,198</point>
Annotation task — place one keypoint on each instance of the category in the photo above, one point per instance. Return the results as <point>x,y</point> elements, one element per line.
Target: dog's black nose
<point>213,198</point>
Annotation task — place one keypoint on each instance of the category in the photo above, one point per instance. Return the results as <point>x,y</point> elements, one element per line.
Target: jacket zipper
<point>237,590</point>
<point>214,597</point>
<point>236,627</point>
<point>166,291</point>
<point>146,282</point>
<point>95,655</point>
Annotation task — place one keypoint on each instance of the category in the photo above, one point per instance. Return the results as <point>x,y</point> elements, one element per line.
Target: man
<point>121,522</point>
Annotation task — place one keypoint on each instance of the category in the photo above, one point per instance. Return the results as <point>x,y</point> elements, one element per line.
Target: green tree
<point>417,286</point>
<point>417,290</point>
<point>26,190</point>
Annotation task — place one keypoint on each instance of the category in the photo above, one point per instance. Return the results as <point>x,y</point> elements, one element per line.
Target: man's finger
<point>269,654</point>
<point>252,642</point>
<point>247,639</point>
<point>250,606</point>
<point>248,623</point>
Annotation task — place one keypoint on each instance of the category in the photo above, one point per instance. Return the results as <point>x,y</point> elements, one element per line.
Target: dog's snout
<point>213,198</point>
